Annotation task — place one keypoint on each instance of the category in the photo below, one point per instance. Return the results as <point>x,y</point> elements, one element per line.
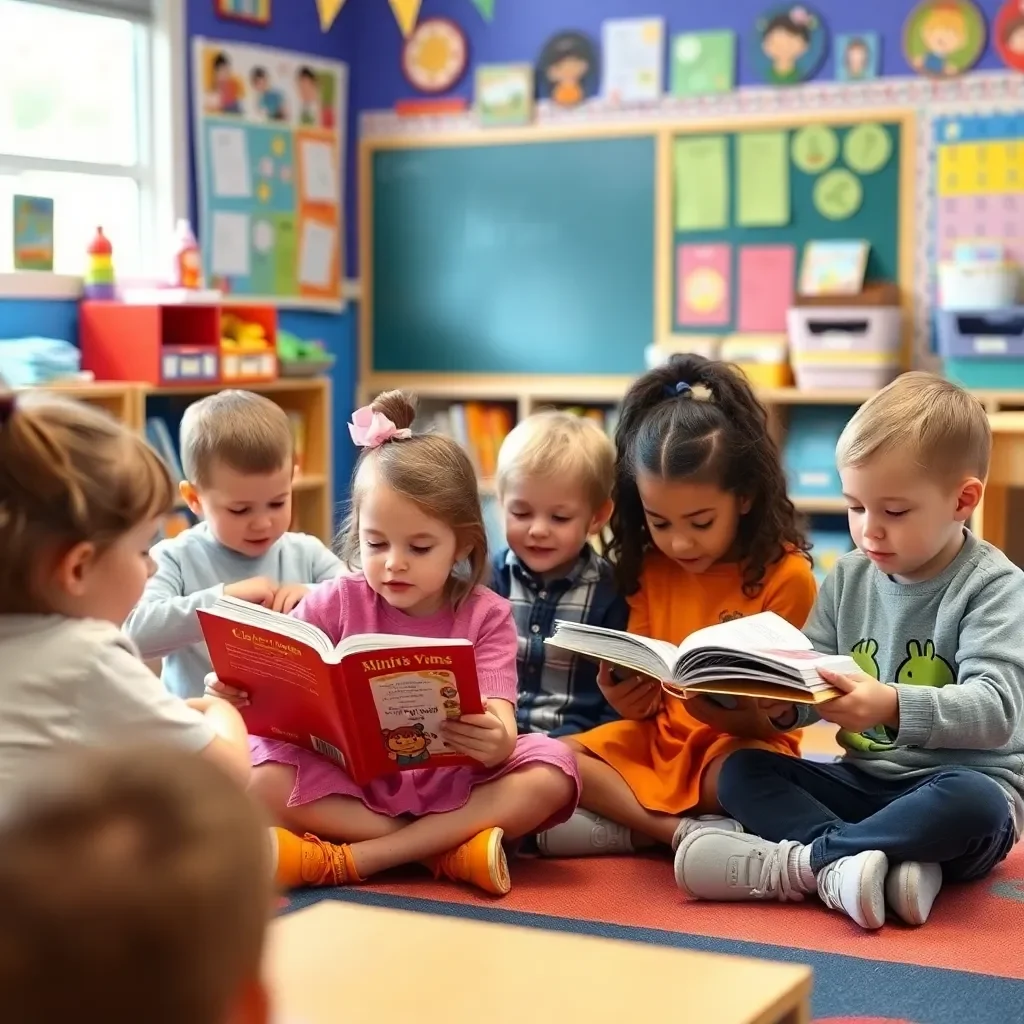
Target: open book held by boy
<point>761,656</point>
<point>374,703</point>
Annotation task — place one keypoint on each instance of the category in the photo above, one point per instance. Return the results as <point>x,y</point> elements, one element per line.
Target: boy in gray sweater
<point>236,451</point>
<point>931,786</point>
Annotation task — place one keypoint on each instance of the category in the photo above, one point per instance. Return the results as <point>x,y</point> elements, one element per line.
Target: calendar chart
<point>980,181</point>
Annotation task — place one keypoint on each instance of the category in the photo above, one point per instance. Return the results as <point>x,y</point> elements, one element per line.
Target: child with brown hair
<point>135,886</point>
<point>80,500</point>
<point>702,532</point>
<point>237,455</point>
<point>416,530</point>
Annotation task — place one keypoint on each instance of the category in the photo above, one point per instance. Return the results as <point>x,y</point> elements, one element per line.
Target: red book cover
<point>374,704</point>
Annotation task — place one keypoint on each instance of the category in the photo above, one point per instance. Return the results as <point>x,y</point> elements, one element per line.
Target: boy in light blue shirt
<point>237,454</point>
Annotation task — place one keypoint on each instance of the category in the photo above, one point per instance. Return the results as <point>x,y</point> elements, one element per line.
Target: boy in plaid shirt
<point>555,474</point>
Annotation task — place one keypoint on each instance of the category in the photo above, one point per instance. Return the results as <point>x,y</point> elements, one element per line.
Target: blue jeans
<point>955,817</point>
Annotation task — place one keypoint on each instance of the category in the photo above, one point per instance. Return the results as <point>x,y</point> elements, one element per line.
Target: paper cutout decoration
<point>815,148</point>
<point>942,38</point>
<point>703,63</point>
<point>486,8</point>
<point>406,12</point>
<point>766,277</point>
<point>702,183</point>
<point>329,11</point>
<point>838,194</point>
<point>834,267</point>
<point>567,69</point>
<point>702,286</point>
<point>867,148</point>
<point>633,60</point>
<point>790,44</point>
<point>762,180</point>
<point>858,56</point>
<point>1008,32</point>
<point>504,94</point>
<point>435,56</point>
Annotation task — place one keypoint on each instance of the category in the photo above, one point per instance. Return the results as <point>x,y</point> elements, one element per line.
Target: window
<point>76,112</point>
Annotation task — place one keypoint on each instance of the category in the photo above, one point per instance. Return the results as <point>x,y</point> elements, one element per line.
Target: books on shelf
<point>758,656</point>
<point>479,427</point>
<point>373,703</point>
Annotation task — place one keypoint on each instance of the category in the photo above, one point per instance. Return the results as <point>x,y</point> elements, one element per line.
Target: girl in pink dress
<point>417,532</point>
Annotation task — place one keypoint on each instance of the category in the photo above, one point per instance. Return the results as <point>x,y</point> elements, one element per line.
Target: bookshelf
<point>310,397</point>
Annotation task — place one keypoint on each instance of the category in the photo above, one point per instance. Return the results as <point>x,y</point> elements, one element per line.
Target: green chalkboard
<point>533,257</point>
<point>877,220</point>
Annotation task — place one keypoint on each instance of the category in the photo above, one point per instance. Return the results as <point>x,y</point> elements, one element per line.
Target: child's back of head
<point>935,424</point>
<point>70,476</point>
<point>697,421</point>
<point>135,886</point>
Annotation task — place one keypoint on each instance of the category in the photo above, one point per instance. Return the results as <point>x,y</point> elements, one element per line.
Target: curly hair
<point>665,430</point>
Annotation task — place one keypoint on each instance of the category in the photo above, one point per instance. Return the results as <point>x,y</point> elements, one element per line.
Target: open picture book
<point>373,703</point>
<point>758,656</point>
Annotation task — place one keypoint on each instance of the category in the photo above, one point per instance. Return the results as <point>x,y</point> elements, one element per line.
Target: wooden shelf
<point>821,506</point>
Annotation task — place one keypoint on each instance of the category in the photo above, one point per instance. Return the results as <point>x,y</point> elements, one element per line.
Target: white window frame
<point>162,168</point>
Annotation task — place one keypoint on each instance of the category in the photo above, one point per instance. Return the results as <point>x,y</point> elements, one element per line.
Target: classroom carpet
<point>965,966</point>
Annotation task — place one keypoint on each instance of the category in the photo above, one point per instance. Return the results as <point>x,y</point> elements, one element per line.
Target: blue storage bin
<point>995,374</point>
<point>827,547</point>
<point>983,348</point>
<point>809,454</point>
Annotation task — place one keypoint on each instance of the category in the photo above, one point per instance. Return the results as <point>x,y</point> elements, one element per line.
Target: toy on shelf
<point>247,346</point>
<point>188,265</point>
<point>98,282</point>
<point>298,358</point>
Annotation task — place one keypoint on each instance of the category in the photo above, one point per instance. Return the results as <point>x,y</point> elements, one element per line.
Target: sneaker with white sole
<point>911,888</point>
<point>585,835</point>
<point>689,825</point>
<point>855,886</point>
<point>713,864</point>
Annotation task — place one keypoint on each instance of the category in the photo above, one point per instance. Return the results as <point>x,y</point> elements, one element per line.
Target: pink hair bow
<point>371,429</point>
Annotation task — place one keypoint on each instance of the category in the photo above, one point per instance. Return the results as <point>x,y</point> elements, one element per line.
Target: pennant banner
<point>329,11</point>
<point>406,12</point>
<point>486,8</point>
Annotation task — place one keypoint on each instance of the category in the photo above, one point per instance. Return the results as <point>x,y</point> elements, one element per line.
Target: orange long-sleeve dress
<point>663,757</point>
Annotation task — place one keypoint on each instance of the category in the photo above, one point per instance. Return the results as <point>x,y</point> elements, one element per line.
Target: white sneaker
<point>911,888</point>
<point>712,864</point>
<point>585,835</point>
<point>855,886</point>
<point>690,825</point>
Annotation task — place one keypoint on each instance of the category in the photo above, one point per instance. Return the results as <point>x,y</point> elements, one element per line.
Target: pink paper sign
<point>766,283</point>
<point>703,285</point>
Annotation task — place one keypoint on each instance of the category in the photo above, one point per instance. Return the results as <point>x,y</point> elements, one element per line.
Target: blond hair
<point>247,432</point>
<point>558,444</point>
<point>135,886</point>
<point>432,471</point>
<point>69,473</point>
<point>937,423</point>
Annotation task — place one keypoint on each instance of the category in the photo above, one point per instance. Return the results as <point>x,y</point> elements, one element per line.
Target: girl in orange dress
<point>702,532</point>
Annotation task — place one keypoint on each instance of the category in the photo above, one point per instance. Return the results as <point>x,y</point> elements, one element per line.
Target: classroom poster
<point>703,291</point>
<point>269,130</point>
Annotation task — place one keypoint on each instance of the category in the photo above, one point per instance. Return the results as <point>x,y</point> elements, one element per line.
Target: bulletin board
<point>269,128</point>
<point>745,203</point>
<point>979,162</point>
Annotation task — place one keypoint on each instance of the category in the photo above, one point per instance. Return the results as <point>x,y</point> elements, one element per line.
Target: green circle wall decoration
<point>838,194</point>
<point>815,148</point>
<point>867,148</point>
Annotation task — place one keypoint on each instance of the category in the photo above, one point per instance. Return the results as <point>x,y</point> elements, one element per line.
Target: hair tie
<point>370,429</point>
<point>7,403</point>
<point>680,390</point>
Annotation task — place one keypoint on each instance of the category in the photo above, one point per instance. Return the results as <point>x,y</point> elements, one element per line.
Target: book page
<point>359,643</point>
<point>640,653</point>
<point>256,615</point>
<point>764,631</point>
<point>411,706</point>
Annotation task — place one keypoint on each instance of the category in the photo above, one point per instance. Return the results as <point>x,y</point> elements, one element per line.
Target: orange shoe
<point>309,861</point>
<point>480,861</point>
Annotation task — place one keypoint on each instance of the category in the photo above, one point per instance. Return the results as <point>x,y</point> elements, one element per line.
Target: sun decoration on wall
<point>406,12</point>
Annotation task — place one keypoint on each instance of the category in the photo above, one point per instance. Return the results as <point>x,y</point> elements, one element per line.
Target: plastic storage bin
<point>809,454</point>
<point>977,286</point>
<point>764,358</point>
<point>983,348</point>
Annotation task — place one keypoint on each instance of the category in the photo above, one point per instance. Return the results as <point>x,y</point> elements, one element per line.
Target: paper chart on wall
<point>703,285</point>
<point>269,130</point>
<point>633,60</point>
<point>702,183</point>
<point>762,179</point>
<point>766,282</point>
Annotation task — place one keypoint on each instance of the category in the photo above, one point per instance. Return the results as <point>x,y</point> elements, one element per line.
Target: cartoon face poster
<point>1008,30</point>
<point>567,71</point>
<point>942,38</point>
<point>790,44</point>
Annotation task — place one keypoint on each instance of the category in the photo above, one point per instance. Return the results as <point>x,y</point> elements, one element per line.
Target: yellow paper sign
<point>329,11</point>
<point>406,12</point>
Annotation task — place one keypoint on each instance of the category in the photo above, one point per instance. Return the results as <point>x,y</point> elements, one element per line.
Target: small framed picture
<point>504,94</point>
<point>857,56</point>
<point>256,12</point>
<point>834,267</point>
